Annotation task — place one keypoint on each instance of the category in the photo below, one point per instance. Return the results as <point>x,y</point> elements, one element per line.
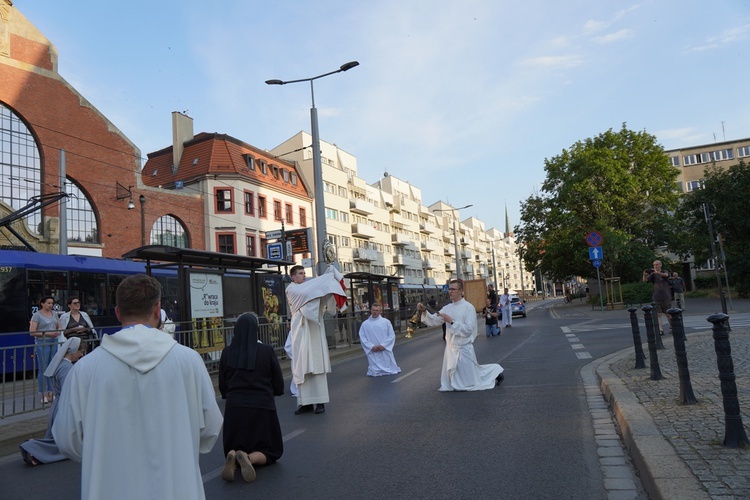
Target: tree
<point>618,183</point>
<point>724,195</point>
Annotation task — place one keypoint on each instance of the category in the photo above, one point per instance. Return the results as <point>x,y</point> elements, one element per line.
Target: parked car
<point>517,307</point>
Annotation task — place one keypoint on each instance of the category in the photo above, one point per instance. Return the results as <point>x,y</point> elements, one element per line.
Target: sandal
<point>28,458</point>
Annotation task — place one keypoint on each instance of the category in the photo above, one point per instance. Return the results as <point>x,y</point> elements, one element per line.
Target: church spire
<point>508,231</point>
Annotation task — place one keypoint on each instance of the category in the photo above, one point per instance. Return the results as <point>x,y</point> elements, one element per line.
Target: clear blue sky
<point>463,99</point>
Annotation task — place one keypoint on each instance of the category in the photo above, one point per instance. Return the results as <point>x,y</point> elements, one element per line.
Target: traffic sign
<point>594,239</point>
<point>596,253</point>
<point>273,235</point>
<point>275,251</point>
<point>597,263</point>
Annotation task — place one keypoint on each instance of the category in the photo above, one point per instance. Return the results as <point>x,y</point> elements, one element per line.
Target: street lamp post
<point>142,199</point>
<point>320,211</point>
<point>455,235</point>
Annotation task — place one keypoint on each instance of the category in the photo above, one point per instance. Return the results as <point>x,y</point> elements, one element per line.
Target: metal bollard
<point>657,327</point>
<point>678,331</point>
<point>651,336</point>
<point>640,362</point>
<point>734,432</point>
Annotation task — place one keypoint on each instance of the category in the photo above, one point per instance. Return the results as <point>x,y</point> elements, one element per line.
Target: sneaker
<point>320,408</point>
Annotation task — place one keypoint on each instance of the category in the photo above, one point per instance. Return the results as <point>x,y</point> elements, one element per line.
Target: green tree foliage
<point>725,195</point>
<point>618,183</point>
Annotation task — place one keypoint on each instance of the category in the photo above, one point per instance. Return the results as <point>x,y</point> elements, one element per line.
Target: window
<point>289,214</point>
<point>342,192</point>
<point>262,207</point>
<point>250,242</point>
<point>275,171</point>
<point>743,151</point>
<point>249,203</point>
<point>693,185</point>
<point>344,217</point>
<point>276,210</point>
<point>302,217</point>
<point>223,200</point>
<point>20,166</point>
<point>329,187</point>
<point>332,214</point>
<point>294,179</point>
<point>225,242</point>
<point>285,175</point>
<point>345,241</point>
<point>263,167</point>
<point>249,161</point>
<point>675,161</point>
<point>82,226</point>
<point>264,248</point>
<point>690,160</point>
<point>169,231</point>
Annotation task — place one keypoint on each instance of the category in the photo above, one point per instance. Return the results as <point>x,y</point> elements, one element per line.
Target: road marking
<point>583,355</point>
<point>217,472</point>
<point>565,329</point>
<point>402,377</point>
<point>573,339</point>
<point>577,346</point>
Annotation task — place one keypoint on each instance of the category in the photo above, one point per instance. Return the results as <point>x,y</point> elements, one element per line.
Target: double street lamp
<point>455,234</point>
<point>320,210</point>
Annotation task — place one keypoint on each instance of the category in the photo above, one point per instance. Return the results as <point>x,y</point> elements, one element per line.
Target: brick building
<point>42,115</point>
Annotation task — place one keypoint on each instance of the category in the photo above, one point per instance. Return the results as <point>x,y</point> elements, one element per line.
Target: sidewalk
<point>677,448</point>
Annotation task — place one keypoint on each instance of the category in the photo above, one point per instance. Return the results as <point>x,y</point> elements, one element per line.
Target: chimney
<point>182,131</point>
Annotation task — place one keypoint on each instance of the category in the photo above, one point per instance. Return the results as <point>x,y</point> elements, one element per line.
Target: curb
<point>663,473</point>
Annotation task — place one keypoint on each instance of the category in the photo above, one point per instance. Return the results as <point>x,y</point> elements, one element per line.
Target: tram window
<point>238,297</point>
<point>14,300</point>
<point>112,284</point>
<point>90,289</point>
<point>169,296</point>
<point>54,283</point>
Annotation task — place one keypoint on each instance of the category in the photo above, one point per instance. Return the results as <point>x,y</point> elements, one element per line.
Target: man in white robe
<point>378,338</point>
<point>139,409</point>
<point>308,301</point>
<point>461,371</point>
<point>506,309</point>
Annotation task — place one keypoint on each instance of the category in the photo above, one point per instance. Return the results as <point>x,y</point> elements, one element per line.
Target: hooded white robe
<point>461,371</point>
<point>136,413</point>
<point>310,360</point>
<point>374,332</point>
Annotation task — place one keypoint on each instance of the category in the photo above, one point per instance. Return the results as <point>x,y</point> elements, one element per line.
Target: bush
<point>705,282</point>
<point>637,293</point>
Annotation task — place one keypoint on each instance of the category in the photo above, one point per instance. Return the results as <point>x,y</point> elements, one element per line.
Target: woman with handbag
<point>76,323</point>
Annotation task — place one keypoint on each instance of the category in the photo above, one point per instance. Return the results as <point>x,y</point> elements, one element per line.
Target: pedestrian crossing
<point>689,322</point>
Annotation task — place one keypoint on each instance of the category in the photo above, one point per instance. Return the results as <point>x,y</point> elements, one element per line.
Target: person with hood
<point>45,451</point>
<point>249,378</point>
<point>139,409</point>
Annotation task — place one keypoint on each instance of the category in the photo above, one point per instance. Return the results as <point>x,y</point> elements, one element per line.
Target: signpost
<point>596,254</point>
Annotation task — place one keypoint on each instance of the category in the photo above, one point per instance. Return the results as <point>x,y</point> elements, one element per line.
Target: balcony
<point>429,281</point>
<point>364,254</point>
<point>400,239</point>
<point>361,207</point>
<point>427,227</point>
<point>398,260</point>
<point>450,266</point>
<point>449,250</point>
<point>363,230</point>
<point>430,246</point>
<point>398,220</point>
<point>428,264</point>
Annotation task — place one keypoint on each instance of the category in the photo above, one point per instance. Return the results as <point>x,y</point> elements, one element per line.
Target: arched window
<point>82,226</point>
<point>20,166</point>
<point>169,231</point>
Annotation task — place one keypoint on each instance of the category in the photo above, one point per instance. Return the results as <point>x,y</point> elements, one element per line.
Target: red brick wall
<point>97,157</point>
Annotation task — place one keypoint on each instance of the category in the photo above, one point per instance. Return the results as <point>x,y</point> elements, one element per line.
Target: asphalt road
<point>398,437</point>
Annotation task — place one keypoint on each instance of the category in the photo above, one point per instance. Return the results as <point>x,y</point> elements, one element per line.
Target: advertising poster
<point>271,292</point>
<point>207,310</point>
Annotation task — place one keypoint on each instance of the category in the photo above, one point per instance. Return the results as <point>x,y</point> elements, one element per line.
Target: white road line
<point>402,377</point>
<point>583,355</point>
<point>217,472</point>
<point>573,339</point>
<point>565,329</point>
<point>577,346</point>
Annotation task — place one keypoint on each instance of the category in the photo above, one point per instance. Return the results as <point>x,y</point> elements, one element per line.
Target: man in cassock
<point>139,409</point>
<point>378,338</point>
<point>461,371</point>
<point>308,300</point>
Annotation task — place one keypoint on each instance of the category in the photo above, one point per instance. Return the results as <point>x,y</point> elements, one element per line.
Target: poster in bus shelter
<point>207,310</point>
<point>271,292</point>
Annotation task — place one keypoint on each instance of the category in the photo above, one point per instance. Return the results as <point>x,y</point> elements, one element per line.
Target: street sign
<point>275,251</point>
<point>273,235</point>
<point>597,263</point>
<point>594,239</point>
<point>596,253</point>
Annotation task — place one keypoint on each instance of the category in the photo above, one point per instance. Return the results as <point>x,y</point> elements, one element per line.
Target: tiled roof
<point>220,154</point>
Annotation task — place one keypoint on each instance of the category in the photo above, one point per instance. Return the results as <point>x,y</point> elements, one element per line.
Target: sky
<point>464,99</point>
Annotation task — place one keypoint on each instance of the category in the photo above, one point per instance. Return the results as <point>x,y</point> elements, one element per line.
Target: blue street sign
<point>275,251</point>
<point>597,263</point>
<point>596,253</point>
<point>594,239</point>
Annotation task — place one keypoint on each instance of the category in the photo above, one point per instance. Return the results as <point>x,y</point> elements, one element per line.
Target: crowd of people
<point>157,377</point>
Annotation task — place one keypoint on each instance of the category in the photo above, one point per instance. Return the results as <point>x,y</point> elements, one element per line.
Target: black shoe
<point>320,408</point>
<point>303,409</point>
<point>499,379</point>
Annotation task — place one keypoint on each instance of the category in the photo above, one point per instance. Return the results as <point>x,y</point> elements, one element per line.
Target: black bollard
<point>640,361</point>
<point>651,336</point>
<point>678,332</point>
<point>734,432</point>
<point>657,327</point>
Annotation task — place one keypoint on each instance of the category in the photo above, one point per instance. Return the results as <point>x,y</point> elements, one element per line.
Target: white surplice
<point>375,332</point>
<point>310,360</point>
<point>136,413</point>
<point>461,371</point>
